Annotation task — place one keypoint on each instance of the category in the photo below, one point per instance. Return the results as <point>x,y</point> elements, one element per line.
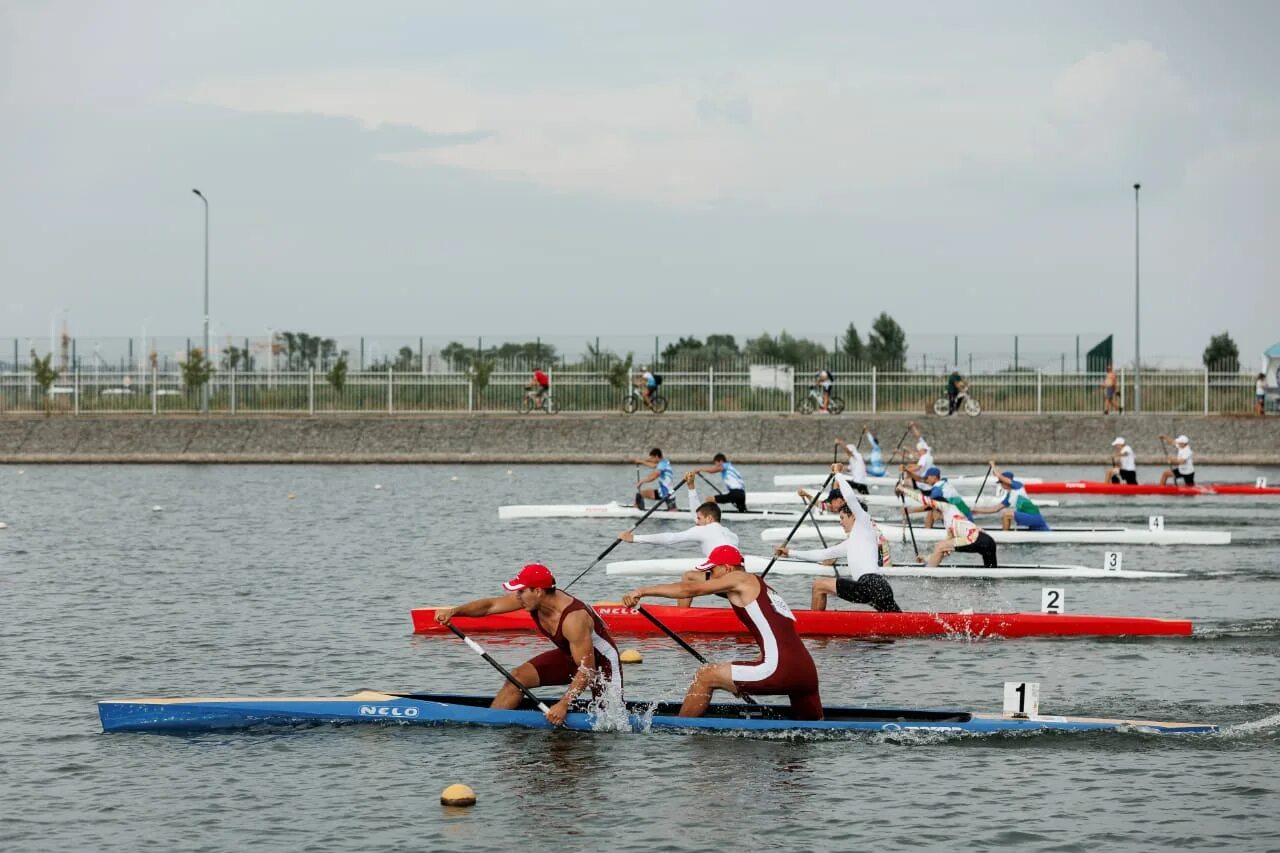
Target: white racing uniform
<point>707,536</point>
<point>861,548</point>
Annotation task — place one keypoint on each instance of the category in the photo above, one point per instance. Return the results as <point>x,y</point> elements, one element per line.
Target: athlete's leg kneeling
<point>806,706</point>
<point>528,674</point>
<point>709,678</point>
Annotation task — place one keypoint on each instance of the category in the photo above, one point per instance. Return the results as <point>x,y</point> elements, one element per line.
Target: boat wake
<point>1253,728</point>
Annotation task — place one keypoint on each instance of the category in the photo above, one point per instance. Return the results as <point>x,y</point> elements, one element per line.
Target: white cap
<point>1119,442</point>
<point>1182,439</point>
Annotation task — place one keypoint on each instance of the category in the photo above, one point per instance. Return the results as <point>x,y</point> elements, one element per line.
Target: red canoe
<point>1089,487</point>
<point>840,623</point>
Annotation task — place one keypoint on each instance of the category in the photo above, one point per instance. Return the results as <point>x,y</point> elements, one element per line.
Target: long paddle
<point>905,432</point>
<point>703,478</point>
<point>799,521</point>
<point>515,682</point>
<point>817,528</point>
<point>980,488</point>
<point>688,648</point>
<point>907,515</point>
<point>616,542</point>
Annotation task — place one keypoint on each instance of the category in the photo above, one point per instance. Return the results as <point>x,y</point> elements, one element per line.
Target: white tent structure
<point>1271,370</point>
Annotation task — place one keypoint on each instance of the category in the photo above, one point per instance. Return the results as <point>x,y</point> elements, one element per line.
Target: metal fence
<point>762,389</point>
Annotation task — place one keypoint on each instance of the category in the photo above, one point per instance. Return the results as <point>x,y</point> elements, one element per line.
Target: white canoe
<point>769,499</point>
<point>614,509</point>
<point>1068,535</point>
<point>678,565</point>
<point>820,477</point>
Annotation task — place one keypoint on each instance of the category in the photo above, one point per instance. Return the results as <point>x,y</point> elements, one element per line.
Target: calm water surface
<point>233,588</point>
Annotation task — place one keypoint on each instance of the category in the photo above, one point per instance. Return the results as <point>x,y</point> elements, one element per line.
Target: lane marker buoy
<point>458,795</point>
<point>631,656</point>
<point>157,508</point>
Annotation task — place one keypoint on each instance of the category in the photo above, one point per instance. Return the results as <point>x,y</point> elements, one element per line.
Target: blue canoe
<point>174,715</point>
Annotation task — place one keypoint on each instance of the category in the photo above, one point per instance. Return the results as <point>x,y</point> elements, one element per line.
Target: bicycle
<point>964,402</point>
<point>813,402</point>
<point>632,402</point>
<point>530,402</point>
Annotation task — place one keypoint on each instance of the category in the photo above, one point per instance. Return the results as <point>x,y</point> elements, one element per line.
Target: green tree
<point>406,360</point>
<point>458,355</point>
<point>887,344</point>
<point>45,375</point>
<point>479,373</point>
<point>852,346</point>
<point>237,358</point>
<point>619,373</point>
<point>196,370</point>
<point>337,375</point>
<point>685,349</point>
<point>1222,354</point>
<point>785,349</point>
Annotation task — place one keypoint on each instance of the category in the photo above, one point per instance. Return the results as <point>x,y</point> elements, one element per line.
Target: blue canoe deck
<point>202,714</point>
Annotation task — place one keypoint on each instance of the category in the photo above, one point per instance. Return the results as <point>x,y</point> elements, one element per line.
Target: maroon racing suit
<point>784,665</point>
<point>559,667</point>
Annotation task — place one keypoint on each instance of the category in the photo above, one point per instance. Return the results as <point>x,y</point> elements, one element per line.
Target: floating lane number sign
<point>1112,561</point>
<point>1052,600</point>
<point>1021,699</point>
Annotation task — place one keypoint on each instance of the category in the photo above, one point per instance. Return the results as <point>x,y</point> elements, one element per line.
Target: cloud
<point>785,134</point>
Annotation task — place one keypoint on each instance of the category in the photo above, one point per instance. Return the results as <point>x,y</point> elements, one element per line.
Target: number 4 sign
<point>1021,699</point>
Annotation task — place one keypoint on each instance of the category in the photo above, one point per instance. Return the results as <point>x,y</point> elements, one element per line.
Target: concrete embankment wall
<point>510,438</point>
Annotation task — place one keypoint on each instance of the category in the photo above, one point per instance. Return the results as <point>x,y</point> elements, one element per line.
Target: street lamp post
<point>204,389</point>
<point>1137,307</point>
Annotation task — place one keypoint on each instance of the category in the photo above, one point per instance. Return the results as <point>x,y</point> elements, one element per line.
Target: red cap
<point>532,576</point>
<point>722,555</point>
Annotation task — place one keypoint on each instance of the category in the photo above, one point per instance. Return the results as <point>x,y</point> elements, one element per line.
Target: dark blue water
<point>233,588</point>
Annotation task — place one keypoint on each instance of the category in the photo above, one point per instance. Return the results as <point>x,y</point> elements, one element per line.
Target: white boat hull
<point>765,500</point>
<point>679,565</point>
<point>820,477</point>
<point>1072,536</point>
<point>615,510</point>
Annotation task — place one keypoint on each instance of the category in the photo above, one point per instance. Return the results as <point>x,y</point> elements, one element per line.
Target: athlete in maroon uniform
<point>585,656</point>
<point>784,666</point>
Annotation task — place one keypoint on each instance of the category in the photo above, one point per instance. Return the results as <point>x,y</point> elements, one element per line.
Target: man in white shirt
<point>855,467</point>
<point>707,532</point>
<point>1181,466</point>
<point>1124,468</point>
<point>861,548</point>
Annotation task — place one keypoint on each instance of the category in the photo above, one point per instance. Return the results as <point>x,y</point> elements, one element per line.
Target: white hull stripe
<point>769,643</point>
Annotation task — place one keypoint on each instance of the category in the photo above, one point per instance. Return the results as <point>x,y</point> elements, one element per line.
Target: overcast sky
<point>598,169</point>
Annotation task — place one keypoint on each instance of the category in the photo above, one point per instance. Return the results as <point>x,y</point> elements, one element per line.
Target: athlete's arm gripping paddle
<point>515,682</point>
<point>616,542</point>
<point>826,484</point>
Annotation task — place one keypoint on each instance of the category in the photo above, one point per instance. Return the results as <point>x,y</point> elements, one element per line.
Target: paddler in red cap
<point>585,656</point>
<point>784,666</point>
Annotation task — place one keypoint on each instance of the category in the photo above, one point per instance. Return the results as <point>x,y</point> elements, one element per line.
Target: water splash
<point>1252,728</point>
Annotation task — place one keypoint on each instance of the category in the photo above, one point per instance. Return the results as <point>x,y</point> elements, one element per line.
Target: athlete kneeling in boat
<point>784,666</point>
<point>585,655</point>
<point>735,488</point>
<point>1016,508</point>
<point>1124,467</point>
<point>856,466</point>
<point>864,548</point>
<point>707,532</point>
<point>962,534</point>
<point>663,474</point>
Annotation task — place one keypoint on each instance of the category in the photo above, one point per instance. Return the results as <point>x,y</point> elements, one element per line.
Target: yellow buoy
<point>458,795</point>
<point>291,497</point>
<point>631,656</point>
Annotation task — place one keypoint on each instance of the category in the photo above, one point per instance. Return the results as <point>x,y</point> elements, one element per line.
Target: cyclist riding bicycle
<point>542,383</point>
<point>822,379</point>
<point>647,381</point>
<point>955,387</point>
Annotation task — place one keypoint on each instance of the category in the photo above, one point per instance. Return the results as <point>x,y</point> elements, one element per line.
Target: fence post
<point>390,402</point>
<point>155,397</point>
<point>75,392</point>
<point>711,389</point>
<point>873,390</point>
<point>233,389</point>
<point>471,395</point>
<point>1039,391</point>
<point>1206,390</point>
<point>311,391</point>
